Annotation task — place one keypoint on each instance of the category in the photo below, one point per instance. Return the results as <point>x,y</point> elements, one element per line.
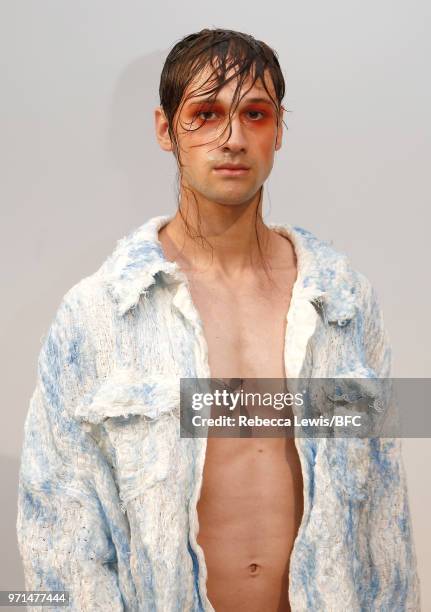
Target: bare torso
<point>251,502</point>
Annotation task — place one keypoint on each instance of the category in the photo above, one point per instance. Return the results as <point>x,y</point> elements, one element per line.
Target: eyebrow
<point>246,100</point>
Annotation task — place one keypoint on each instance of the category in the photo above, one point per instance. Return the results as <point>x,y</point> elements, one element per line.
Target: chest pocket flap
<point>137,413</point>
<point>127,392</point>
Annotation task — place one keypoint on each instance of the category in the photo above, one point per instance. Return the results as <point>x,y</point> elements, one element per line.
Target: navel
<point>254,569</point>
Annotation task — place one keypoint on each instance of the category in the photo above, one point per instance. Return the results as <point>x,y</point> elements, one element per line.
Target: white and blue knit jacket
<point>108,489</point>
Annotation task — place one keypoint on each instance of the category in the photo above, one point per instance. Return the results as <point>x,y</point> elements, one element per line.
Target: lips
<point>231,169</point>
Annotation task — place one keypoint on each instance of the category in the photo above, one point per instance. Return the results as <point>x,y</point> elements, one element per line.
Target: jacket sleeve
<point>394,575</point>
<point>64,537</point>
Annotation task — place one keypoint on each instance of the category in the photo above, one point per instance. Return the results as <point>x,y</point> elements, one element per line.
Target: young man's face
<point>255,138</point>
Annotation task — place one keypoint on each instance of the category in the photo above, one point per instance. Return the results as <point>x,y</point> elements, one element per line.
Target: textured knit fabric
<point>108,489</point>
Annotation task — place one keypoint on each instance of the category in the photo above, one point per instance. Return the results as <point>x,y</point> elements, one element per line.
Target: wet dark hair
<point>224,51</point>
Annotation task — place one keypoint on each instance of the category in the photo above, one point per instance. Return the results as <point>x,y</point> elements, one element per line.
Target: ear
<point>279,138</point>
<point>162,125</point>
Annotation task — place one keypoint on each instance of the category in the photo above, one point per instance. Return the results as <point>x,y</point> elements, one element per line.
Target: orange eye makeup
<point>213,113</point>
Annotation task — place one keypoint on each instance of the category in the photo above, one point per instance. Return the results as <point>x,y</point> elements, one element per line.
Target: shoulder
<point>326,253</point>
<point>79,343</point>
<point>331,267</point>
<point>127,264</point>
<point>92,311</point>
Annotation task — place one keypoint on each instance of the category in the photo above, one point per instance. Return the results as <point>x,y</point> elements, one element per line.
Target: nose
<point>236,140</point>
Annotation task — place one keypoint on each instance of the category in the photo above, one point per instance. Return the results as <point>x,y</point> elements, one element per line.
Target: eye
<point>205,113</point>
<point>256,112</point>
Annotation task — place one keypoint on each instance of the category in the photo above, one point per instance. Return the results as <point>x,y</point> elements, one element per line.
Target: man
<point>114,506</point>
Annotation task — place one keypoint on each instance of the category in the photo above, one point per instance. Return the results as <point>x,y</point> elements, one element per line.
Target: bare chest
<point>251,503</point>
<point>245,325</point>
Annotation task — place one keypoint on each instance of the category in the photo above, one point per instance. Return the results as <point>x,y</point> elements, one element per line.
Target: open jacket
<point>108,489</point>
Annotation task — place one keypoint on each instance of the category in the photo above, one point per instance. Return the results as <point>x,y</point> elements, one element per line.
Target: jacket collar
<point>324,276</point>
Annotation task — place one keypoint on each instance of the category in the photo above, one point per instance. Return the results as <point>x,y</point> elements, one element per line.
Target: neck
<point>230,231</point>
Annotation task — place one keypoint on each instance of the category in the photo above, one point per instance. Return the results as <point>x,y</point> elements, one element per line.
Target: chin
<point>231,200</point>
<point>225,197</point>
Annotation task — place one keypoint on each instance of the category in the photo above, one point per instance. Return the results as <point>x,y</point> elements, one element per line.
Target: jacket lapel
<point>325,278</point>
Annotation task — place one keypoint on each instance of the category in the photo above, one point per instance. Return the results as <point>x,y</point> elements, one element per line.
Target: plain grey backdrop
<point>81,168</point>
